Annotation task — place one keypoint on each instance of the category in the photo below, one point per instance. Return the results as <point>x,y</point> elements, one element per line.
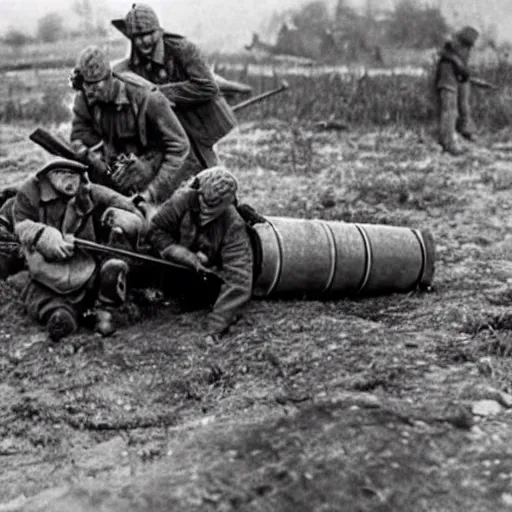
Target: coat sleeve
<point>82,127</point>
<point>173,141</point>
<point>237,272</point>
<point>164,229</point>
<point>104,197</point>
<point>27,226</point>
<point>200,85</point>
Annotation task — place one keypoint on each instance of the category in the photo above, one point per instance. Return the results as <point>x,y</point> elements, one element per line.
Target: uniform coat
<point>137,120</point>
<point>224,241</point>
<point>183,76</point>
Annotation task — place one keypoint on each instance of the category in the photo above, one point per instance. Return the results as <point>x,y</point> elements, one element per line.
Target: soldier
<point>50,209</point>
<point>143,143</point>
<point>453,90</point>
<point>11,260</point>
<point>199,226</point>
<point>177,66</point>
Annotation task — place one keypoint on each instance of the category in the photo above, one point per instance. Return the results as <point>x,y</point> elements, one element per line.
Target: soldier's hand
<point>133,175</point>
<point>54,246</point>
<point>96,161</point>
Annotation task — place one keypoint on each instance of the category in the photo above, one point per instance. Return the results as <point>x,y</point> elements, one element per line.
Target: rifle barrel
<point>260,97</point>
<point>93,246</point>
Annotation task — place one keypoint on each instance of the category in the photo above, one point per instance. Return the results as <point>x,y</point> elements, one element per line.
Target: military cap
<point>216,185</point>
<point>141,19</point>
<point>467,36</point>
<point>93,64</point>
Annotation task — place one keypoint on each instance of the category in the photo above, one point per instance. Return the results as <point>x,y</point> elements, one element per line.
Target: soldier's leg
<point>59,315</point>
<point>447,120</point>
<point>465,124</point>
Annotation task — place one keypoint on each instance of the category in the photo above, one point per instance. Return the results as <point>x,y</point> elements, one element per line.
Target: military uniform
<point>182,74</point>
<point>223,240</point>
<point>454,89</point>
<point>11,260</point>
<point>42,214</point>
<point>133,121</point>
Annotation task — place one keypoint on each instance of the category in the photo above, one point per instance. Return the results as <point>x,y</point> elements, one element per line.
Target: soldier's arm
<point>237,272</point>
<point>200,85</point>
<point>164,229</point>
<point>82,128</point>
<point>27,225</point>
<point>173,142</point>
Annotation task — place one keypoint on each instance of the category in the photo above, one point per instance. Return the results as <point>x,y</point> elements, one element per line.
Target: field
<point>398,402</point>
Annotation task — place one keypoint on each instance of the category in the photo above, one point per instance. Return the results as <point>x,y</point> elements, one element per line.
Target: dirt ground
<point>401,402</point>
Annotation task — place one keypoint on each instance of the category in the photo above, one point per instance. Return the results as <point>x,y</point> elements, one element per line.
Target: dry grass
<point>362,402</point>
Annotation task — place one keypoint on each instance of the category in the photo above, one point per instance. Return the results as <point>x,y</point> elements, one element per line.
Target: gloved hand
<point>53,246</point>
<point>132,174</point>
<point>180,254</point>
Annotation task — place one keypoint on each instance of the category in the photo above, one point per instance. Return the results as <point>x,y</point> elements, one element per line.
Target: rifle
<point>256,99</point>
<point>205,275</point>
<point>57,146</point>
<point>480,82</point>
<point>9,244</point>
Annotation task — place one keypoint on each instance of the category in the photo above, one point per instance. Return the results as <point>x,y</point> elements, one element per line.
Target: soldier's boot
<point>447,122</point>
<point>113,274</point>
<point>104,324</point>
<point>60,324</point>
<point>465,124</point>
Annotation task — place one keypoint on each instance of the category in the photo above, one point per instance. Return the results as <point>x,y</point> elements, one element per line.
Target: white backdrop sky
<point>229,23</point>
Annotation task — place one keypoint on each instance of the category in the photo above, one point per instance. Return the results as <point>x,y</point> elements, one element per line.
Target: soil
<point>397,402</point>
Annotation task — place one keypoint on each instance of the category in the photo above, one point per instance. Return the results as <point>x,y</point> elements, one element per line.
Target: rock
<point>486,408</point>
<point>484,366</point>
<point>507,499</point>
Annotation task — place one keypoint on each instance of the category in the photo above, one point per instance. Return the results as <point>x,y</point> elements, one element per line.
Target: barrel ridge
<point>368,257</point>
<point>279,269</point>
<point>334,254</point>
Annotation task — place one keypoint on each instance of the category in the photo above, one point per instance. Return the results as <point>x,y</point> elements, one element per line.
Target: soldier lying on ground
<point>454,89</point>
<point>50,209</point>
<point>199,226</point>
<point>144,145</point>
<point>184,77</point>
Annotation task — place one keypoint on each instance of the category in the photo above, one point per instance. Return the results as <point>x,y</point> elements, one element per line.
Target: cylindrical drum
<point>325,257</point>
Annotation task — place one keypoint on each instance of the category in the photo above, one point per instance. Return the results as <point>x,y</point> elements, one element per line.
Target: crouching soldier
<point>454,90</point>
<point>143,145</point>
<point>200,227</point>
<point>179,69</point>
<point>50,209</point>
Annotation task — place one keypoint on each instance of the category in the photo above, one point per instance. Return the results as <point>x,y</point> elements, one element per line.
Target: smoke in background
<point>227,24</point>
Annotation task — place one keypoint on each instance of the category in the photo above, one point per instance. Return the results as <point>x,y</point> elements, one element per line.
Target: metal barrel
<point>325,257</point>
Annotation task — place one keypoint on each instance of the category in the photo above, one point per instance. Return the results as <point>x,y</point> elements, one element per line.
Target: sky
<point>228,24</point>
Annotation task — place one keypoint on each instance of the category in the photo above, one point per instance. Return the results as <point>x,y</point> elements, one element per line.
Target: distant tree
<point>83,9</point>
<point>50,28</point>
<point>313,16</point>
<point>416,26</point>
<point>16,39</point>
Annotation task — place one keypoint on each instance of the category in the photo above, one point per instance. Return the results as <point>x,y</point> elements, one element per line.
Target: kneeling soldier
<point>199,226</point>
<point>50,209</point>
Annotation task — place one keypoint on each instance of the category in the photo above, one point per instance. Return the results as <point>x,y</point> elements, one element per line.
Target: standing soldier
<point>454,89</point>
<point>178,68</point>
<point>143,143</point>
